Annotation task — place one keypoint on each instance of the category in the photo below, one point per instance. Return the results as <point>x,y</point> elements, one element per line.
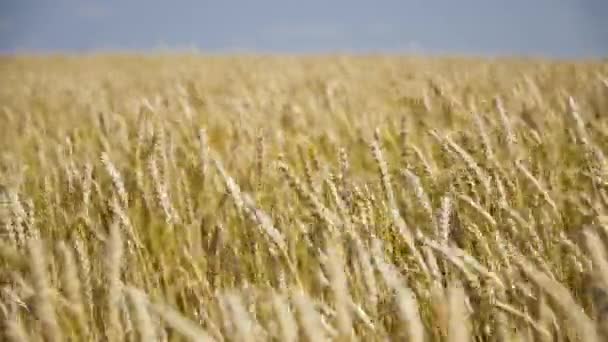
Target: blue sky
<point>558,28</point>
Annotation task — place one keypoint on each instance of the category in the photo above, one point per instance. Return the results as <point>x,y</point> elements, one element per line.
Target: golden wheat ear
<point>598,281</point>
<point>583,328</point>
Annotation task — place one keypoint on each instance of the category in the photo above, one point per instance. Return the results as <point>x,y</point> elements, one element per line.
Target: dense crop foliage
<point>277,198</point>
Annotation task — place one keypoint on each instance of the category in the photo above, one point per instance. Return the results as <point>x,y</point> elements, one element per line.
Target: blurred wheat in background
<point>180,197</point>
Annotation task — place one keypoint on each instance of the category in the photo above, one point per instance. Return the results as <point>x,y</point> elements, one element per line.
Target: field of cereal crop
<point>245,198</point>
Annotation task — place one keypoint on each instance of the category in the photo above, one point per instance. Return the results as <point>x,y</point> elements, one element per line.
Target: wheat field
<point>278,198</point>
